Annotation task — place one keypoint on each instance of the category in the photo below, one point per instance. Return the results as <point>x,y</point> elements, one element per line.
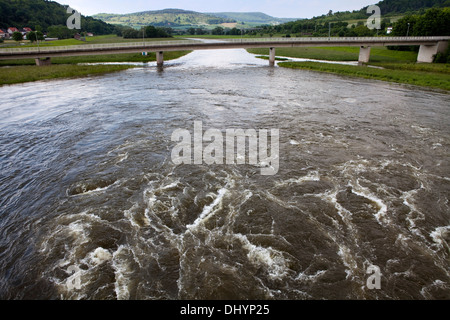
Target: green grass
<point>433,77</point>
<point>126,57</point>
<point>419,67</point>
<point>378,54</point>
<point>21,74</point>
<point>25,70</point>
<point>276,58</point>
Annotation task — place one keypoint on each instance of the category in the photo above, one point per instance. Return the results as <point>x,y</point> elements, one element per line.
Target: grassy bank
<point>25,70</point>
<point>127,57</point>
<point>433,76</point>
<point>377,54</point>
<point>20,71</point>
<point>22,74</point>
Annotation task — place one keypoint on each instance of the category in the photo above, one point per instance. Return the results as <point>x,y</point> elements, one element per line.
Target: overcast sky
<point>276,8</point>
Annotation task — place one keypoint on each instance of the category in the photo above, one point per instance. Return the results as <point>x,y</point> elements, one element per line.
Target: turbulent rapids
<point>92,207</point>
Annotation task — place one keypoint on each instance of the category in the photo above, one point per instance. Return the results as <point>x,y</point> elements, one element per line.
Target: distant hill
<point>182,18</point>
<point>257,18</point>
<point>163,18</point>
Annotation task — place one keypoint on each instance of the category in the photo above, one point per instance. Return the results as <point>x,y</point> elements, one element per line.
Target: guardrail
<point>99,46</point>
<point>341,39</point>
<point>149,45</point>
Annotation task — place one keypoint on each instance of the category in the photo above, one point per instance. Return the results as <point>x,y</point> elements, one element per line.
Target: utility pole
<point>37,40</point>
<point>407,33</point>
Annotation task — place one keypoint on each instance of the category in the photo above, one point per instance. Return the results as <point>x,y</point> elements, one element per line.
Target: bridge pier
<point>272,57</point>
<point>427,53</point>
<point>160,58</point>
<point>45,62</point>
<point>364,55</point>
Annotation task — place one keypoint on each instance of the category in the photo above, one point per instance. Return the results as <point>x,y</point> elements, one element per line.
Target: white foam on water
<point>348,260</point>
<point>414,213</point>
<point>310,277</point>
<point>131,216</point>
<point>381,215</point>
<point>439,284</point>
<point>271,259</point>
<point>311,176</point>
<point>100,256</point>
<point>97,190</point>
<point>331,197</point>
<point>122,157</point>
<point>156,223</point>
<point>439,235</point>
<point>402,241</point>
<point>280,202</point>
<point>122,272</point>
<point>170,186</point>
<point>209,209</point>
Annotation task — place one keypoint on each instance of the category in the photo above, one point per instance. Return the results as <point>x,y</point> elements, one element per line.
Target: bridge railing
<point>99,46</point>
<point>155,44</point>
<point>339,39</point>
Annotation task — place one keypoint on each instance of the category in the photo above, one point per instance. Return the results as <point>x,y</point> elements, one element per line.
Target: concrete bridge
<point>429,47</point>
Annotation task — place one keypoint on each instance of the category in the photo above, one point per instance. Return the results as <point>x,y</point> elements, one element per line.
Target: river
<point>93,207</point>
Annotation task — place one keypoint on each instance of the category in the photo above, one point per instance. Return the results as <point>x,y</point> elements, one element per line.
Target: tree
<point>60,32</point>
<point>17,36</point>
<point>363,31</point>
<point>218,31</point>
<point>130,33</point>
<point>435,22</point>
<point>200,31</point>
<point>35,35</point>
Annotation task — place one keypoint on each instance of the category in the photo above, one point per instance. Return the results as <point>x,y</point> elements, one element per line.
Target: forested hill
<point>44,13</point>
<point>404,6</point>
<point>162,18</point>
<point>388,8</point>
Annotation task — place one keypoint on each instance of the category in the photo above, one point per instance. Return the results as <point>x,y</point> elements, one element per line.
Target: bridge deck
<point>160,46</point>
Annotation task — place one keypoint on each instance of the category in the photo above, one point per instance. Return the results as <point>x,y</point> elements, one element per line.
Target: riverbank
<point>25,70</point>
<point>377,54</point>
<point>394,66</point>
<point>125,57</point>
<point>22,74</point>
<point>432,76</point>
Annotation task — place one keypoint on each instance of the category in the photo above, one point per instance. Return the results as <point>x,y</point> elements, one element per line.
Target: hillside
<point>257,18</point>
<point>405,6</point>
<point>163,18</point>
<point>413,17</point>
<point>43,13</point>
<point>389,8</point>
